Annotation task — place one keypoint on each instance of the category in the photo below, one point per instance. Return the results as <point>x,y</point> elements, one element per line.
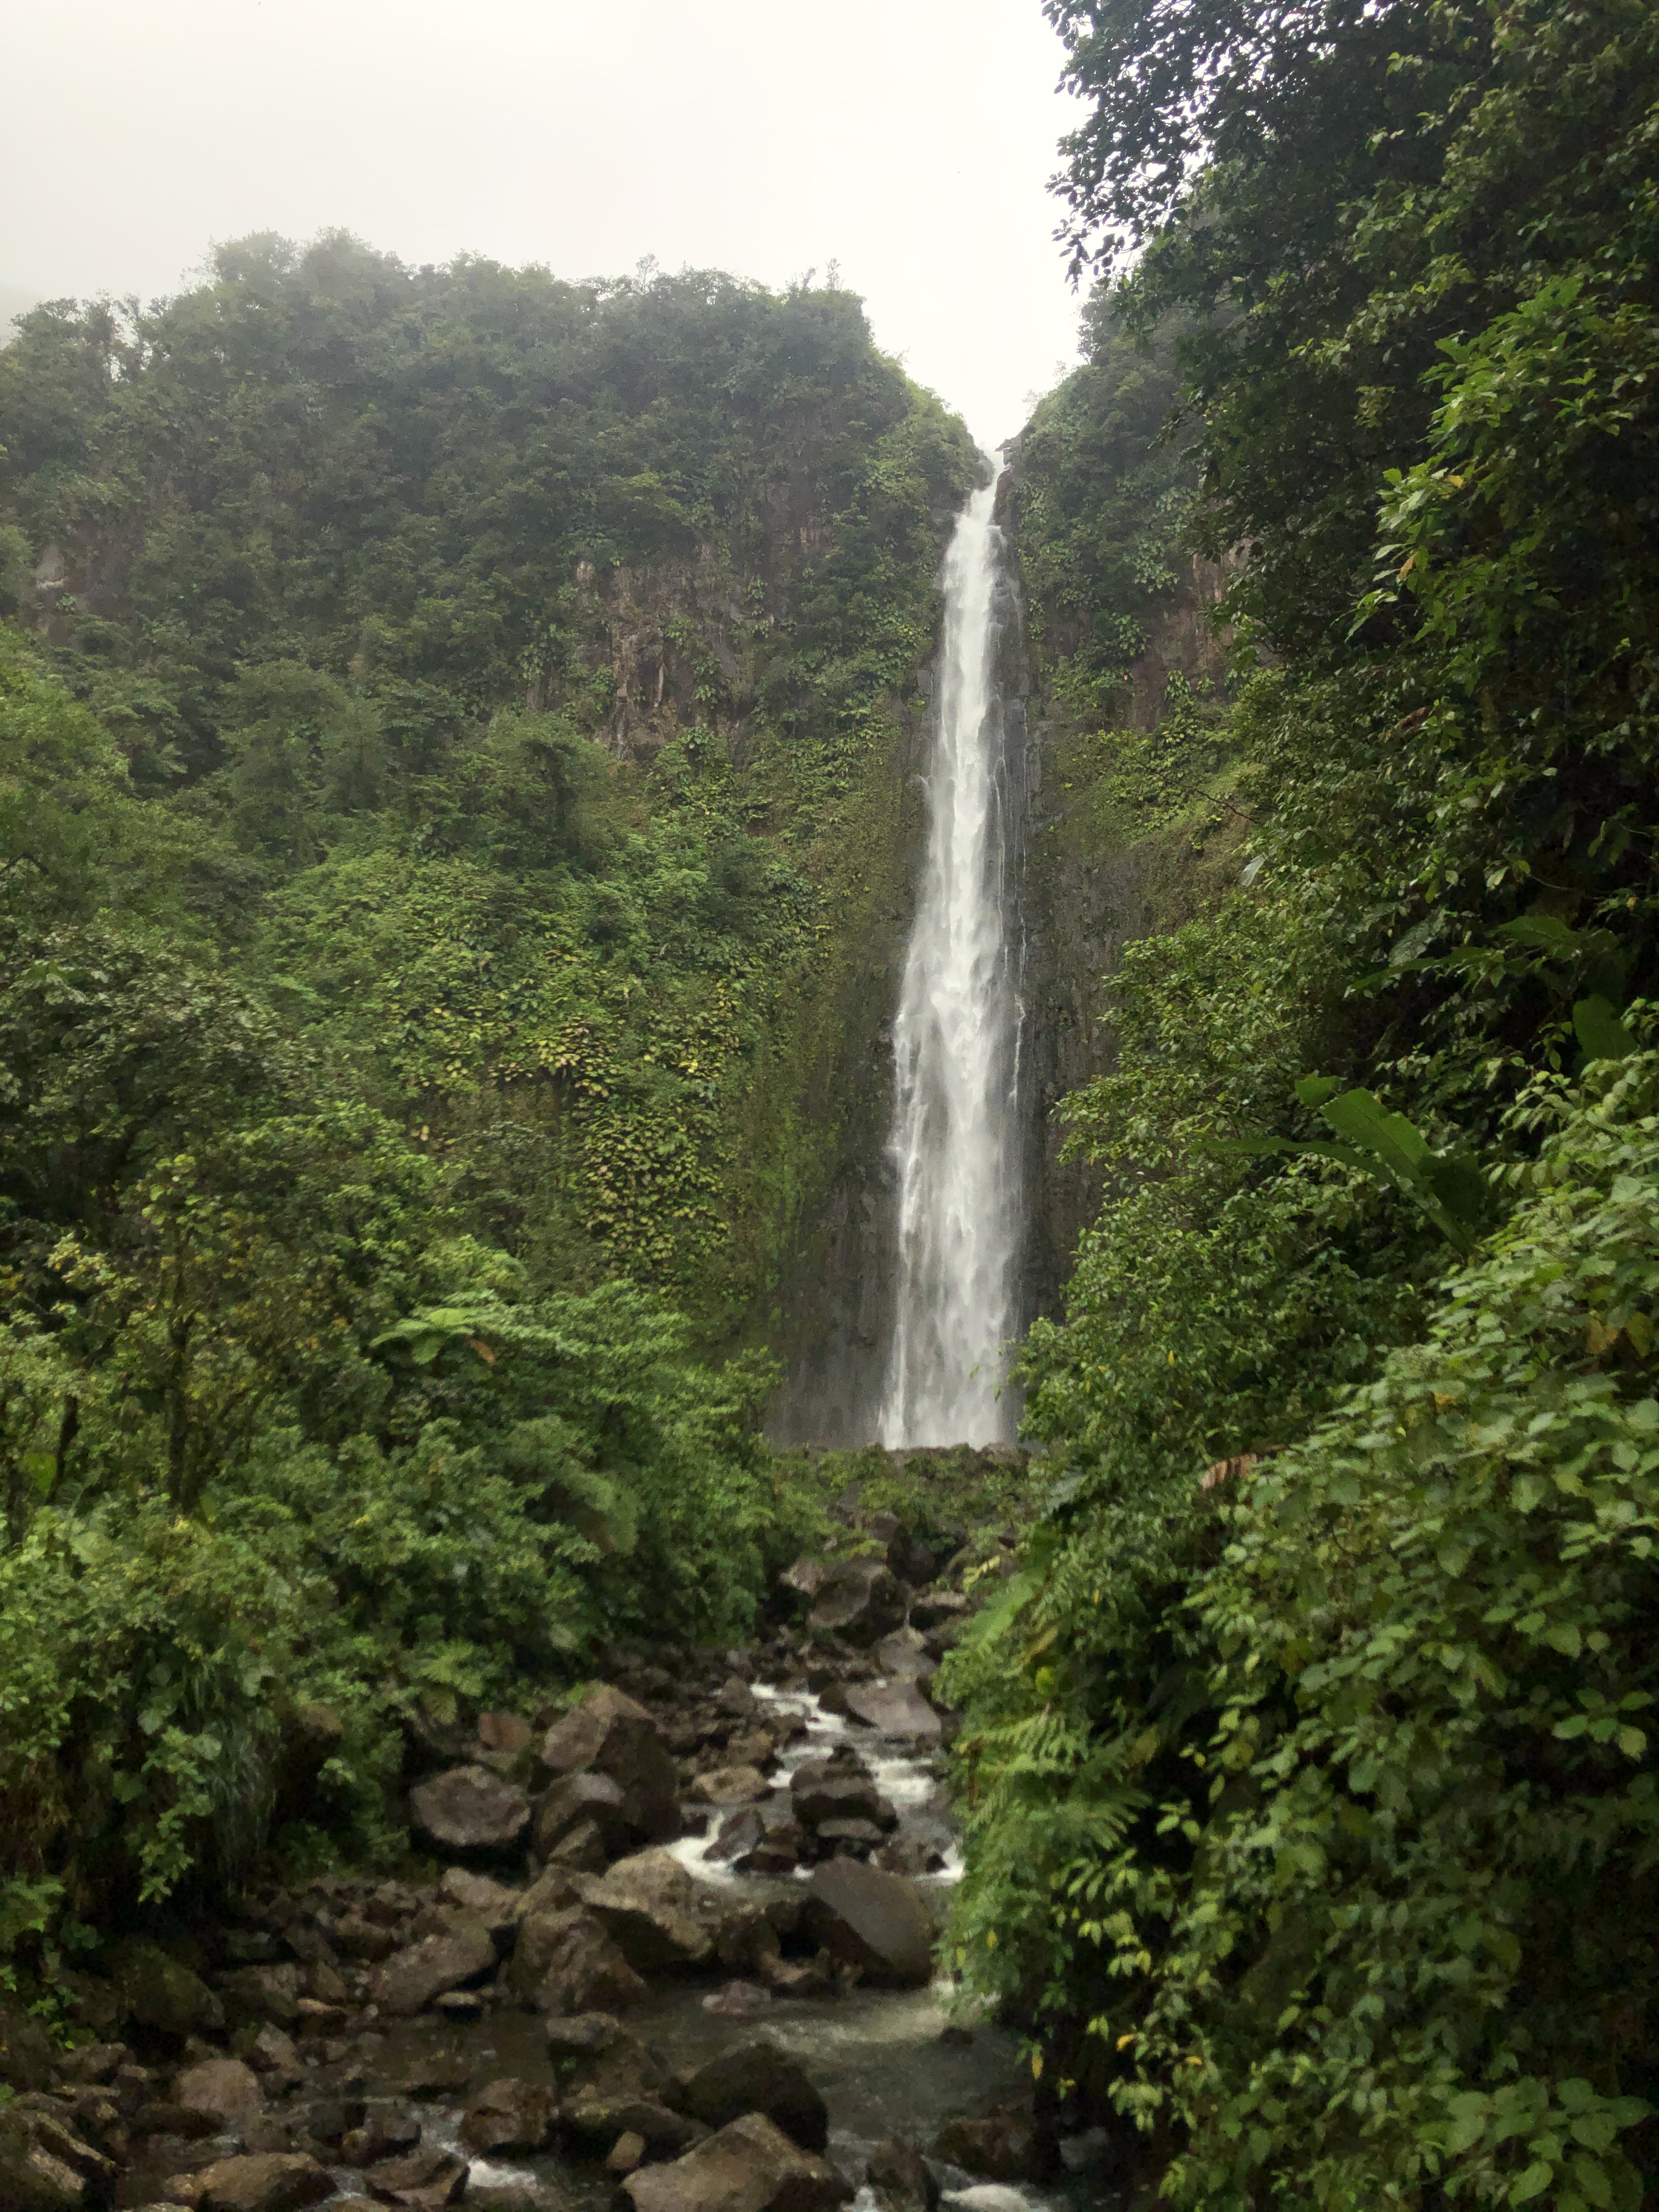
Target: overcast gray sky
<point>909,140</point>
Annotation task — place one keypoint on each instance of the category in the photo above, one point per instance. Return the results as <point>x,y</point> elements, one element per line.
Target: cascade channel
<point>956,1135</point>
<point>888,2062</point>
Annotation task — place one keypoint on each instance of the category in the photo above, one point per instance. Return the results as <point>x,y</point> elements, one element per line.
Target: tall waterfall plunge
<point>956,1136</point>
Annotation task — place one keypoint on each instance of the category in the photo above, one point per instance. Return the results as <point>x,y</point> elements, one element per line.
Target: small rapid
<point>888,2062</point>
<point>955,1142</point>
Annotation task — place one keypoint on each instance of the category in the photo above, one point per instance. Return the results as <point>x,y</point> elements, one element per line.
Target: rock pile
<point>239,2068</point>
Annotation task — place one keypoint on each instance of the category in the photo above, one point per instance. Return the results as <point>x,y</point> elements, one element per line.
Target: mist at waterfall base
<point>955,1142</point>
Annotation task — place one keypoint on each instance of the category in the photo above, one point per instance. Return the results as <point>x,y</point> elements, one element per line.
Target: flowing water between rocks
<point>888,2062</point>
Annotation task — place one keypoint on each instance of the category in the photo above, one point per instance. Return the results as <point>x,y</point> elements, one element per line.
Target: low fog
<point>906,141</point>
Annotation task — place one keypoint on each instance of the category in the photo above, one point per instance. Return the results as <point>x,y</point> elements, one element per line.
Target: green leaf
<point>1600,1034</point>
<point>1532,2183</point>
<point>1315,1090</point>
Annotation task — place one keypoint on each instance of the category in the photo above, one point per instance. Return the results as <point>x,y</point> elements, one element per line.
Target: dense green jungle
<point>457,740</point>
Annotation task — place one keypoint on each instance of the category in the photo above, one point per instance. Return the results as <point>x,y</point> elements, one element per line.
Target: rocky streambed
<point>680,1960</point>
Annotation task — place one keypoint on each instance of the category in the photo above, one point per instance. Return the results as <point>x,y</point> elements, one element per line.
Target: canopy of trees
<point>1312,1769</point>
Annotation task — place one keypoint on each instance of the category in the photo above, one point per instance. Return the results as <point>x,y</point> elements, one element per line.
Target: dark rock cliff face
<point>1094,877</point>
<point>834,1314</point>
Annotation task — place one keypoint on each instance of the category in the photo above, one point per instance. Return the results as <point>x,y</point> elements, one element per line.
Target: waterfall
<point>956,1139</point>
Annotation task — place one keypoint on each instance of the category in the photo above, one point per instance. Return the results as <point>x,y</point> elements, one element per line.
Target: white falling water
<point>956,1126</point>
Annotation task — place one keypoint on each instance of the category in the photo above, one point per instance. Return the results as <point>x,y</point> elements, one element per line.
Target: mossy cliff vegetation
<point>519,673</point>
<point>453,732</point>
<point>452,865</point>
<point>1311,1751</point>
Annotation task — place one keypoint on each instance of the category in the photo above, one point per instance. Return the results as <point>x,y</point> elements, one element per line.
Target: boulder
<point>609,1734</point>
<point>328,2119</point>
<point>160,1991</point>
<point>222,2089</point>
<point>583,1850</point>
<point>779,1850</point>
<point>858,1838</point>
<point>875,1920</point>
<point>31,2178</point>
<point>422,2181</point>
<point>745,1942</point>
<point>758,2077</point>
<point>271,2052</point>
<point>911,1559</point>
<point>731,1785</point>
<point>510,2115</point>
<point>739,1833</point>
<point>750,2166</point>
<point>46,2168</point>
<point>897,1708</point>
<point>626,2153</point>
<point>565,1962</point>
<point>255,1994</point>
<point>901,2178</point>
<point>647,1906</point>
<point>160,2116</point>
<point>832,1789</point>
<point>92,2063</point>
<point>999,2146</point>
<point>552,1891</point>
<point>903,1656</point>
<point>385,2127</point>
<point>859,1599</point>
<point>472,1811</point>
<point>505,1735</point>
<point>491,1901</point>
<point>275,2181</point>
<point>411,1979</point>
<point>620,2087</point>
<point>576,1799</point>
<point>912,1855</point>
<point>807,1577</point>
<point>753,1747</point>
<point>26,2051</point>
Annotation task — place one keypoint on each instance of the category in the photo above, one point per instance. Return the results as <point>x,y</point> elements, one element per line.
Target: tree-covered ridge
<point>529,658</point>
<point>1310,1779</point>
<point>449,750</point>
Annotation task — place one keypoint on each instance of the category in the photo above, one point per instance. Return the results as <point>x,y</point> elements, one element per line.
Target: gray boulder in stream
<point>896,1708</point>
<point>468,1809</point>
<point>876,1920</point>
<point>758,2077</point>
<point>565,1962</point>
<point>411,1978</point>
<point>510,2115</point>
<point>647,1906</point>
<point>750,2166</point>
<point>901,2178</point>
<point>609,1734</point>
<point>859,1600</point>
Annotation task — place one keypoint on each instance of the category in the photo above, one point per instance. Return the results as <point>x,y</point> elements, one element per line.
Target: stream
<point>888,2062</point>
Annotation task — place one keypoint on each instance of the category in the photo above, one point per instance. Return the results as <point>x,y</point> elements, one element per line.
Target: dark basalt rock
<point>472,1811</point>
<point>902,2179</point>
<point>859,1600</point>
<point>750,2166</point>
<point>758,2077</point>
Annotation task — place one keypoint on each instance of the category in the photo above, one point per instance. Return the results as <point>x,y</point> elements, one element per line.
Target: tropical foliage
<point>445,752</point>
<point>1309,1770</point>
